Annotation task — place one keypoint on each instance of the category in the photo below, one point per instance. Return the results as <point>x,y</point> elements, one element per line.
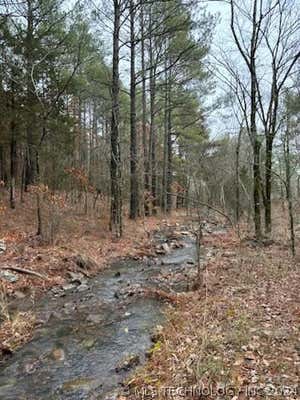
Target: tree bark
<point>249,57</point>
<point>13,154</point>
<point>134,178</point>
<point>256,189</point>
<point>268,184</point>
<point>288,187</point>
<point>170,149</point>
<point>237,176</point>
<point>253,128</point>
<point>165,154</point>
<point>3,174</point>
<point>269,159</point>
<point>115,163</point>
<point>31,168</point>
<point>144,116</point>
<point>152,140</point>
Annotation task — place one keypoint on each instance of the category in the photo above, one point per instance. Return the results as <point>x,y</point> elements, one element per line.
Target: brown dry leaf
<point>250,356</point>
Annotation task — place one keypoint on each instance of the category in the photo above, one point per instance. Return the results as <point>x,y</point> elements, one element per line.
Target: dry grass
<point>16,331</point>
<point>16,328</point>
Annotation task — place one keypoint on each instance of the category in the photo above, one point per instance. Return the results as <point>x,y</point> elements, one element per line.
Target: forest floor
<point>238,337</point>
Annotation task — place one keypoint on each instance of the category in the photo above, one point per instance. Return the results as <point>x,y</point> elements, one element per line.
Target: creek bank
<point>84,337</point>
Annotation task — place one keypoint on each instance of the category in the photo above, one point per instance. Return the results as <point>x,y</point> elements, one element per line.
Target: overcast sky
<point>217,122</point>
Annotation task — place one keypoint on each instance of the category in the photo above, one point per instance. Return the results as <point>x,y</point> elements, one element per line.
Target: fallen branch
<point>25,271</point>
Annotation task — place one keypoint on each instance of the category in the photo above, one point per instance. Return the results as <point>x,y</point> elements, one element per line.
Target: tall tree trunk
<point>288,187</point>
<point>23,172</point>
<point>134,178</point>
<point>249,55</point>
<point>256,150</point>
<point>269,163</point>
<point>13,154</point>
<point>268,184</point>
<point>152,140</point>
<point>31,166</point>
<point>165,155</point>
<point>170,149</point>
<point>256,189</point>
<point>3,174</point>
<point>115,163</point>
<point>39,231</point>
<point>144,116</point>
<point>237,176</point>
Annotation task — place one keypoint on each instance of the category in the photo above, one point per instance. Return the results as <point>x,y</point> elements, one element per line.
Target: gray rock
<point>76,277</point>
<point>112,396</point>
<point>166,248</point>
<point>184,233</point>
<point>83,287</point>
<point>69,307</point>
<point>84,262</point>
<point>88,343</point>
<point>19,295</point>
<point>95,318</point>
<point>2,246</point>
<point>176,245</point>
<point>9,276</point>
<point>127,363</point>
<point>190,261</point>
<point>69,286</point>
<point>58,354</point>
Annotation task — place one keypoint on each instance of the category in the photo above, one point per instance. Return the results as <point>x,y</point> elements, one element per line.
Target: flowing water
<point>79,352</point>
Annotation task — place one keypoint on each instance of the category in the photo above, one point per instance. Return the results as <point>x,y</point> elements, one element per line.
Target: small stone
<point>82,287</point>
<point>166,248</point>
<point>2,246</point>
<point>84,262</point>
<point>58,354</point>
<point>76,277</point>
<point>95,318</point>
<point>69,286</point>
<point>88,343</point>
<point>190,262</point>
<point>31,367</point>
<point>9,276</point>
<point>160,251</point>
<point>112,396</point>
<point>157,334</point>
<point>19,295</point>
<point>174,244</point>
<point>128,363</point>
<point>69,307</point>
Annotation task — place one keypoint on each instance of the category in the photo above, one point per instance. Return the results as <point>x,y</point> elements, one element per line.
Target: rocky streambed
<point>93,334</point>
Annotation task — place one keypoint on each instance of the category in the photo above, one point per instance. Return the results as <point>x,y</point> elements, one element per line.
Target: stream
<point>81,351</point>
